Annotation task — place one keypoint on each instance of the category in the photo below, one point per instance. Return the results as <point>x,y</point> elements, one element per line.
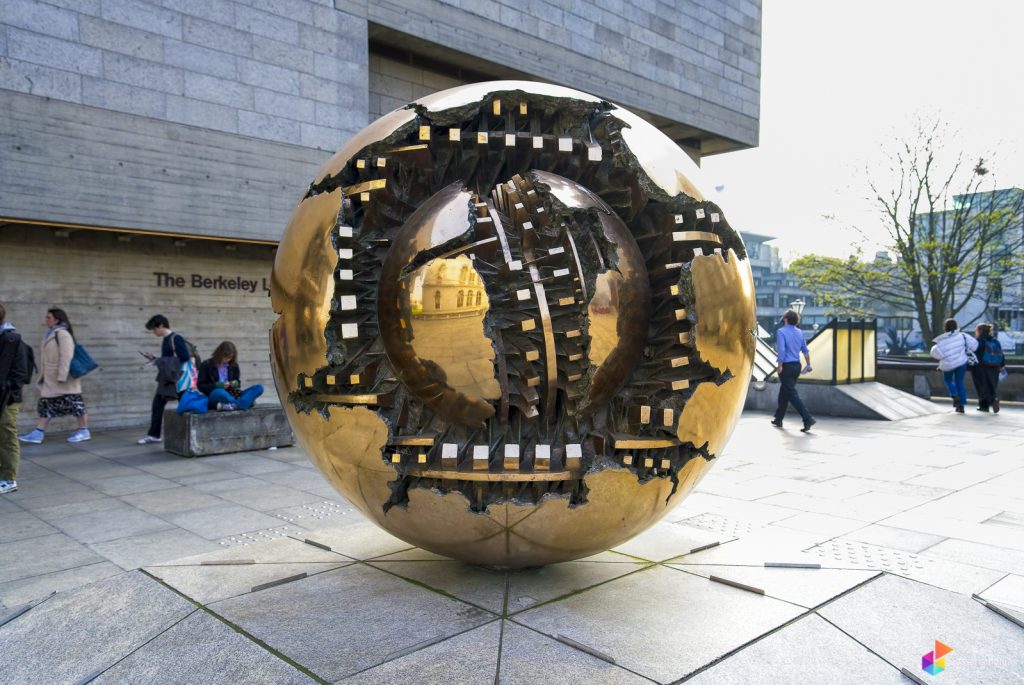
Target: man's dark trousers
<point>788,394</point>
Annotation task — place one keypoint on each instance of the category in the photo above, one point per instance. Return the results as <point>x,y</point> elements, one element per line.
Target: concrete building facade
<point>146,137</point>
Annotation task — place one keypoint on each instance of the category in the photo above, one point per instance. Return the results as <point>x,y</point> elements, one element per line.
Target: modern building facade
<point>153,151</point>
<point>777,289</point>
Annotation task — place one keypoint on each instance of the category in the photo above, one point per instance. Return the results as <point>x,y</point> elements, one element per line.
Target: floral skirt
<point>65,405</point>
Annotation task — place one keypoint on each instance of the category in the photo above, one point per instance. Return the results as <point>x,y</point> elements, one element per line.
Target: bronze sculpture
<point>512,331</point>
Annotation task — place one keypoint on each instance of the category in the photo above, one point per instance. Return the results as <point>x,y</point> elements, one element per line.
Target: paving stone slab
<point>962,578</point>
<point>669,540</point>
<point>74,634</point>
<point>18,592</point>
<point>171,501</point>
<point>152,548</point>
<point>201,649</point>
<point>38,556</point>
<point>527,657</point>
<point>900,619</point>
<point>978,554</point>
<point>807,651</point>
<point>133,484</point>
<point>471,657</point>
<point>361,540</point>
<point>803,586</point>
<point>894,538</point>
<point>221,521</point>
<point>212,583</point>
<point>660,622</point>
<point>1008,592</point>
<point>266,497</point>
<point>109,524</point>
<point>344,621</point>
<point>19,525</point>
<point>281,551</point>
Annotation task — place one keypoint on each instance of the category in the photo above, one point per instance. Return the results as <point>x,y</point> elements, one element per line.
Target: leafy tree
<point>954,235</point>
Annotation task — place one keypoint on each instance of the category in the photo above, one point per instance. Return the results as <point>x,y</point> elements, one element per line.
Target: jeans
<point>244,401</point>
<point>10,448</point>
<point>955,384</point>
<point>788,394</point>
<point>156,418</point>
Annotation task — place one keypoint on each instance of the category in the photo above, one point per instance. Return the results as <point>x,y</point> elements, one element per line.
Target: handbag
<point>188,378</point>
<point>972,359</point>
<point>81,361</point>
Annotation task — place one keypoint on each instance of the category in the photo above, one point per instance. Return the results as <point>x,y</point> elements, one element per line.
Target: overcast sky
<point>839,80</point>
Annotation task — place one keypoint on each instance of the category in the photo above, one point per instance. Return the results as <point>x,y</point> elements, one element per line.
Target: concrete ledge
<point>859,401</point>
<point>219,432</point>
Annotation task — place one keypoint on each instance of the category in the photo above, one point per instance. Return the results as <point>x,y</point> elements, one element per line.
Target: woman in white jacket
<point>951,349</point>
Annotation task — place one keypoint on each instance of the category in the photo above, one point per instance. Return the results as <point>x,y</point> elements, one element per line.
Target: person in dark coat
<point>174,349</point>
<point>16,362</point>
<point>986,376</point>
<point>220,380</point>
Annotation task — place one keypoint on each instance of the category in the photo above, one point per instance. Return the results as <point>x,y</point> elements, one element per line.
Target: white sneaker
<point>147,440</point>
<point>80,435</point>
<point>35,437</point>
<point>8,486</point>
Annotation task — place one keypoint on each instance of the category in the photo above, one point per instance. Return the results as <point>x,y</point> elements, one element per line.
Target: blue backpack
<point>993,354</point>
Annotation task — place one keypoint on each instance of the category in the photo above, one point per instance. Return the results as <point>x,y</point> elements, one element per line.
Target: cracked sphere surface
<point>511,329</point>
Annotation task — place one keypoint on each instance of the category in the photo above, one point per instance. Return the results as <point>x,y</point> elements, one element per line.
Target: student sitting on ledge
<point>220,380</point>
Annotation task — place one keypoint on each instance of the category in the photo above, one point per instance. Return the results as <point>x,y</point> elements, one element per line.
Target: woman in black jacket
<point>220,380</point>
<point>985,373</point>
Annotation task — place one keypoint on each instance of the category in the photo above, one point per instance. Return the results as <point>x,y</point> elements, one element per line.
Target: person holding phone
<point>789,344</point>
<point>220,380</point>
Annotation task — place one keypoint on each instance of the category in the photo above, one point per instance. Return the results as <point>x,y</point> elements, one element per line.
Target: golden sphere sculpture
<point>512,331</point>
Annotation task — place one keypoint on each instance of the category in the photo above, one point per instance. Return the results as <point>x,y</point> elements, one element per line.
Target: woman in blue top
<point>220,380</point>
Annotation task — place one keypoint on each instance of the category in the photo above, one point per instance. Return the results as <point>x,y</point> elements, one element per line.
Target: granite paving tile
<point>18,525</point>
<point>152,548</point>
<point>266,497</point>
<point>208,652</point>
<point>280,551</point>
<point>822,525</point>
<point>212,583</point>
<point>986,646</point>
<point>654,604</point>
<point>74,634</point>
<point>218,484</point>
<point>337,624</point>
<point>668,540</point>
<point>18,592</point>
<point>986,556</point>
<point>810,650</point>
<point>222,520</point>
<point>129,485</point>
<point>47,500</point>
<point>802,586</point>
<point>359,540</point>
<point>894,538</point>
<point>175,467</point>
<point>46,554</point>
<point>529,657</point>
<point>76,506</point>
<point>109,524</point>
<point>172,500</point>
<point>1007,592</point>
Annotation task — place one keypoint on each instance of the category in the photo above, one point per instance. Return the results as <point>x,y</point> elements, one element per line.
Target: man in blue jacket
<point>789,343</point>
<point>173,348</point>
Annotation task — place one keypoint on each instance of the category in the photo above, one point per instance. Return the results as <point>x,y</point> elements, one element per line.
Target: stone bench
<point>219,432</point>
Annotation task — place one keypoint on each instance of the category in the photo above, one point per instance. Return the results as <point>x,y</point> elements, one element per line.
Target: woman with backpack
<point>985,373</point>
<point>60,394</point>
<point>954,349</point>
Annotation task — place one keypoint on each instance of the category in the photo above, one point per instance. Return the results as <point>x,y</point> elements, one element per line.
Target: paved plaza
<point>248,568</point>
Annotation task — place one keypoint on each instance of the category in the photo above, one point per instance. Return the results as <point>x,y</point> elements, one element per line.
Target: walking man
<point>789,343</point>
<point>173,353</point>
<point>15,362</point>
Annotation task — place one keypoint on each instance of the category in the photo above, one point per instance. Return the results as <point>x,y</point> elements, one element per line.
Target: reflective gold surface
<point>505,341</point>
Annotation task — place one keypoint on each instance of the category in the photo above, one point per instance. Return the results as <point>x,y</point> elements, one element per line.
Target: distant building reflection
<point>448,288</point>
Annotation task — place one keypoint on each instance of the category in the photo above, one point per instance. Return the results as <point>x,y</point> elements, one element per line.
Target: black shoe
<point>995,406</point>
<point>777,423</point>
<point>807,426</point>
<point>959,409</point>
<point>984,409</point>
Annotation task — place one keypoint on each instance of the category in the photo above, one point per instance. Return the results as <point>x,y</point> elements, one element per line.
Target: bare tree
<point>953,233</point>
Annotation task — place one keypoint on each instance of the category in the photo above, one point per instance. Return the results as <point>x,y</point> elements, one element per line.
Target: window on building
<point>437,299</point>
<point>462,298</point>
<point>463,274</point>
<point>478,294</point>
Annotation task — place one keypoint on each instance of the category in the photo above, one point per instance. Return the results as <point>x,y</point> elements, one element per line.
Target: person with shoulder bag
<point>60,393</point>
<point>16,362</point>
<point>955,351</point>
<point>176,373</point>
<point>985,374</point>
